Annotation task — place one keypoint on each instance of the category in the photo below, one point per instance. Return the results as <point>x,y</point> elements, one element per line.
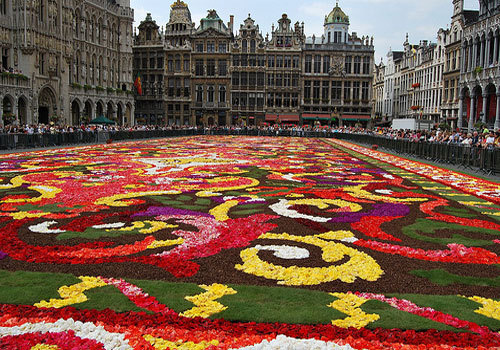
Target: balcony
<point>14,80</point>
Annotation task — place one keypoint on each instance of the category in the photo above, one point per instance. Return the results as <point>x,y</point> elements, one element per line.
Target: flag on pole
<point>138,84</point>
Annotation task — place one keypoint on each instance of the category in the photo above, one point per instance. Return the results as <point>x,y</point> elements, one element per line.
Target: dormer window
<point>148,34</point>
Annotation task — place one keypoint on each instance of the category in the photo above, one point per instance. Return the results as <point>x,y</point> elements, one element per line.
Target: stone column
<point>495,48</point>
<point>470,62</point>
<point>460,112</point>
<point>474,55</point>
<point>472,118</point>
<point>497,116</point>
<point>15,111</point>
<point>132,115</point>
<point>1,110</point>
<point>481,53</point>
<point>485,107</point>
<point>487,53</point>
<point>463,52</point>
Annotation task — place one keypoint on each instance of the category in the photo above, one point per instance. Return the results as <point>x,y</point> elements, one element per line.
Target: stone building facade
<point>248,75</point>
<point>337,74</point>
<point>479,99</point>
<point>69,61</point>
<point>248,79</point>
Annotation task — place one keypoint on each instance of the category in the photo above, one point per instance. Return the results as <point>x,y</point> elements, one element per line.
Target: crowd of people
<point>480,138</point>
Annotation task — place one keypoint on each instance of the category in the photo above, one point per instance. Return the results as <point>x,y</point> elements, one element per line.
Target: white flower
<point>285,251</point>
<point>44,228</point>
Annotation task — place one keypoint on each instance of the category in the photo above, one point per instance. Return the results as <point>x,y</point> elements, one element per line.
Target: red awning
<point>356,117</point>
<point>289,118</point>
<point>316,116</point>
<point>271,117</point>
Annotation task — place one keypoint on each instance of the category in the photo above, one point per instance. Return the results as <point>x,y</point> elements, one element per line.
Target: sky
<point>387,21</point>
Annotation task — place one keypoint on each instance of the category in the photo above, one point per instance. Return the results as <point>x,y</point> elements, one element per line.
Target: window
<point>277,100</point>
<point>347,91</point>
<point>244,60</point>
<point>348,64</point>
<point>235,77</point>
<point>295,80</point>
<point>286,81</point>
<point>222,67</point>
<point>270,99</point>
<point>170,65</point>
<point>355,90</point>
<point>286,99</point>
<point>211,47</point>
<point>270,61</point>
<point>244,78</point>
<point>279,80</point>
<point>252,78</point>
<point>279,61</point>
<point>336,90</point>
<point>244,46</point>
<point>366,65</point>
<point>357,65</point>
<point>308,67</point>
<point>222,47</point>
<point>236,60</point>
<point>243,99</point>
<point>159,62</point>
<point>307,91</point>
<point>252,60</point>
<point>365,91</point>
<point>3,9</point>
<point>186,63</point>
<point>199,47</point>
<point>199,93</point>
<point>324,91</point>
<point>145,63</point>
<point>235,97</point>
<point>210,94</point>
<point>252,45</point>
<point>288,61</point>
<point>187,85</point>
<point>222,94</point>
<point>260,100</point>
<point>171,87</point>
<point>251,99</point>
<point>260,79</point>
<point>296,62</point>
<point>210,67</point>
<point>295,100</point>
<point>326,64</point>
<point>177,63</point>
<point>317,64</point>
<point>199,68</point>
<point>270,79</point>
<point>316,88</point>
<point>148,34</point>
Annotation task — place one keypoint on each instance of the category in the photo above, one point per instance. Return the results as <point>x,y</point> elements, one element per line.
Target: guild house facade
<point>212,75</point>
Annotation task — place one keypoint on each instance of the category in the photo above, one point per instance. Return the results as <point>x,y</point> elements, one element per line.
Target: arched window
<point>42,9</point>
<point>210,94</point>
<point>177,63</point>
<point>244,46</point>
<point>148,34</point>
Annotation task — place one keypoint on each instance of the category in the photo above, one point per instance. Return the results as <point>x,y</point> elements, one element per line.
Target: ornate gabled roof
<point>337,16</point>
<point>148,22</point>
<point>213,21</point>
<point>180,13</point>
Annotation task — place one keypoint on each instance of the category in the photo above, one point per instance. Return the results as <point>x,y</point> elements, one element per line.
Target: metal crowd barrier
<point>485,160</point>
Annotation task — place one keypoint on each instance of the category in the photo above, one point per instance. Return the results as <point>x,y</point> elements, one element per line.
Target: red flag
<point>138,84</point>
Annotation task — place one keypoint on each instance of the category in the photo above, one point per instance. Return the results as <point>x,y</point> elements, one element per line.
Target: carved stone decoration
<point>337,67</point>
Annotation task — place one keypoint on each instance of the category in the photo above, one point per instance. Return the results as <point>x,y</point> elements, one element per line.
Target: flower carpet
<point>245,243</point>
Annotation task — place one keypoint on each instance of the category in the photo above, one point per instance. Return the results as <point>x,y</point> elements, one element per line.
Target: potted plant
<point>8,118</point>
<point>54,119</point>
